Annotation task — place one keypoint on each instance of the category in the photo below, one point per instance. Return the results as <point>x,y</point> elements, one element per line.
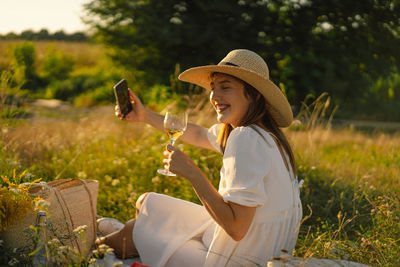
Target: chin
<point>222,119</point>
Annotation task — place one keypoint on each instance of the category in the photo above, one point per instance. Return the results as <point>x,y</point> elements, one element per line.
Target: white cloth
<point>253,174</point>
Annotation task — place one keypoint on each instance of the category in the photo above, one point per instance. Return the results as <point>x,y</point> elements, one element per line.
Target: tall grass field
<point>351,190</point>
<point>350,195</point>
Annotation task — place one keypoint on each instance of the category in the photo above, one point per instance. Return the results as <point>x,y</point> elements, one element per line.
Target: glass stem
<point>173,142</point>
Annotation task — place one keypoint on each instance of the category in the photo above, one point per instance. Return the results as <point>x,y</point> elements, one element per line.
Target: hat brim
<point>277,103</point>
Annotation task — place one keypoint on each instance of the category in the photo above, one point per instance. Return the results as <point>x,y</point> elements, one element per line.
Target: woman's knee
<point>128,228</point>
<point>140,201</point>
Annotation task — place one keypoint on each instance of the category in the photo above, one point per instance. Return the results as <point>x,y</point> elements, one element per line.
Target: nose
<point>214,95</point>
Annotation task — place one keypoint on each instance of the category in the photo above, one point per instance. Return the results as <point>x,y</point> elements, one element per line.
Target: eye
<point>224,88</point>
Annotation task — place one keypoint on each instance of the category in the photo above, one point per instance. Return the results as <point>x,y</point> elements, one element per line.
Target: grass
<point>350,196</point>
<point>84,54</point>
<point>352,188</point>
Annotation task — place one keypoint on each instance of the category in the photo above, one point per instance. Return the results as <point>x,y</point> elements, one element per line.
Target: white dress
<point>176,233</point>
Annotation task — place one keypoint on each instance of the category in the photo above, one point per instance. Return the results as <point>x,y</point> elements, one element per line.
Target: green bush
<point>56,65</point>
<point>63,90</point>
<point>159,96</point>
<point>24,64</point>
<point>380,101</point>
<point>100,95</point>
<point>9,113</point>
<point>68,89</point>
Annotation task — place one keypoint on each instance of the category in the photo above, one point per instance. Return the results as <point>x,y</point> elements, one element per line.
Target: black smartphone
<point>122,96</point>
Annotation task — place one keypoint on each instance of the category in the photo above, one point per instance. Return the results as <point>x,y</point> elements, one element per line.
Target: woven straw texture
<point>73,202</point>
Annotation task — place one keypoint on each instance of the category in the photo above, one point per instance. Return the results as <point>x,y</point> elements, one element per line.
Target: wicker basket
<point>72,203</point>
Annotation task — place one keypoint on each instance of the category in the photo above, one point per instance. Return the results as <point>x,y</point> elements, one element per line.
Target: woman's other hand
<point>179,163</point>
<point>138,110</point>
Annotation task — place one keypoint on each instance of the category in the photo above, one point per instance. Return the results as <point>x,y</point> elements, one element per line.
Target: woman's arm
<point>194,135</point>
<point>235,219</point>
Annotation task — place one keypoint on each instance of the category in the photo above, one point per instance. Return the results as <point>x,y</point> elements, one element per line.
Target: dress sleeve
<point>246,163</point>
<point>212,135</point>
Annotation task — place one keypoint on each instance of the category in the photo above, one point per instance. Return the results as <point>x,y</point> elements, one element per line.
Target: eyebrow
<point>221,82</point>
<point>224,81</point>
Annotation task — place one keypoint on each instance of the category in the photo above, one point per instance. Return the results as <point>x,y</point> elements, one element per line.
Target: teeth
<point>222,107</point>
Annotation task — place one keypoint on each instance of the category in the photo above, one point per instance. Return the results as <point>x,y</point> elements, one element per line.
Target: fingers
<point>167,158</point>
<point>131,93</point>
<point>167,163</point>
<point>118,112</point>
<point>169,150</point>
<point>134,98</point>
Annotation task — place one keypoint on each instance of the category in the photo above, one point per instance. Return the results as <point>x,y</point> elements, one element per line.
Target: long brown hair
<point>257,112</point>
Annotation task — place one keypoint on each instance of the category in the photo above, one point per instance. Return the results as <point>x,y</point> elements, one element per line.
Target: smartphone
<point>122,96</point>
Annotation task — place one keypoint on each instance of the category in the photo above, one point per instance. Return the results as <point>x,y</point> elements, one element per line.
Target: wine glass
<point>175,124</point>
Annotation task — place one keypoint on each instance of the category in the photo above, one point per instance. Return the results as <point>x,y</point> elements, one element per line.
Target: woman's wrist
<point>146,115</point>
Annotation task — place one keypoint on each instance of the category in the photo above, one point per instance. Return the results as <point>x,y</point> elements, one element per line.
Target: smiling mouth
<point>221,108</point>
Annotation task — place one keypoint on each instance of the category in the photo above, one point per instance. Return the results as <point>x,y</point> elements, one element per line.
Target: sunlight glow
<point>54,15</point>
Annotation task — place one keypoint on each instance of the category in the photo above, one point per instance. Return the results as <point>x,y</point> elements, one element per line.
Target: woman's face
<point>227,97</point>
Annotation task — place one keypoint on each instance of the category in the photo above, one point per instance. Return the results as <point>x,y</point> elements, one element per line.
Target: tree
<point>311,46</point>
<point>27,35</point>
<point>43,34</point>
<point>59,35</point>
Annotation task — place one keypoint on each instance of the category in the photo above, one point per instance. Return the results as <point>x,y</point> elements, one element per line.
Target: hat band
<point>229,64</point>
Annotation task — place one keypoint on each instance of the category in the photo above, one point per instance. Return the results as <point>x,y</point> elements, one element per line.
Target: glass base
<point>165,172</point>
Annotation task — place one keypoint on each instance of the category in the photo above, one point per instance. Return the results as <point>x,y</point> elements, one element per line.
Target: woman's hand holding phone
<point>138,110</point>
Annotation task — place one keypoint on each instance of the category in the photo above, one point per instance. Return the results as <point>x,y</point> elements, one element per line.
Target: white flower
<point>108,178</point>
<point>114,182</point>
<point>82,175</point>
<point>80,229</point>
<point>54,241</point>
<point>155,179</point>
<point>175,20</point>
<point>326,26</point>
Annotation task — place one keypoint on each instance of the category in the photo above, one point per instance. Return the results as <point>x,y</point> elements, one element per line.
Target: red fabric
<point>137,264</point>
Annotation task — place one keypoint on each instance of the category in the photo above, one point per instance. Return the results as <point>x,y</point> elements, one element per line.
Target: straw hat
<point>251,68</point>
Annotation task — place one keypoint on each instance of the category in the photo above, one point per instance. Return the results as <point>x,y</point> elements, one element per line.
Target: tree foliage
<point>24,65</point>
<point>311,46</point>
<point>56,64</point>
<point>44,34</point>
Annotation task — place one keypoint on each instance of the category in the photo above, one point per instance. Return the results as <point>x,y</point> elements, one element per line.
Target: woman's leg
<point>121,241</point>
<point>193,253</point>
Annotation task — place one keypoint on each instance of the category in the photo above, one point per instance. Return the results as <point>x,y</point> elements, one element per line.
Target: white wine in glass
<point>174,125</point>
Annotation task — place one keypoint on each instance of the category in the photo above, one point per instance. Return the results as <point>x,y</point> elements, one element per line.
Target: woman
<point>257,211</point>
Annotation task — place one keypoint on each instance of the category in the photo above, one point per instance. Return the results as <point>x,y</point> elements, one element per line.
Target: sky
<point>54,15</point>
